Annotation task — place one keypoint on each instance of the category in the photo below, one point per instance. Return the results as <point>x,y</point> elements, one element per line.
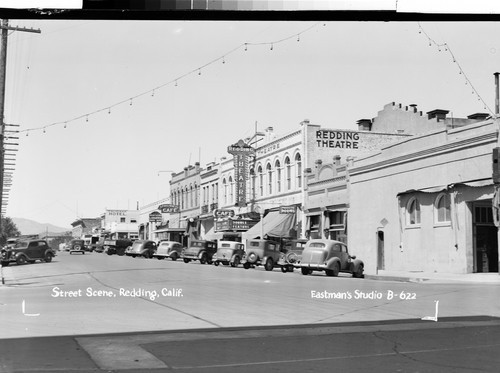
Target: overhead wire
<point>175,82</point>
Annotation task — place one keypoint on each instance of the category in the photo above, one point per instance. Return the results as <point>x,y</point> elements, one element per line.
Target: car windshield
<point>21,244</point>
<point>255,243</point>
<point>166,244</point>
<point>197,244</point>
<point>225,245</point>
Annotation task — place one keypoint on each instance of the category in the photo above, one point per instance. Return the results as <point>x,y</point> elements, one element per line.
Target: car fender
<point>264,259</point>
<point>355,264</point>
<point>200,254</point>
<point>332,261</point>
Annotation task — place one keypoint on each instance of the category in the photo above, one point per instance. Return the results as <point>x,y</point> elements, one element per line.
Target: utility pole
<point>3,73</point>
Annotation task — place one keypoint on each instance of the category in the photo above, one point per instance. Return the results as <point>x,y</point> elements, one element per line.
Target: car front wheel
<point>305,271</point>
<point>269,264</point>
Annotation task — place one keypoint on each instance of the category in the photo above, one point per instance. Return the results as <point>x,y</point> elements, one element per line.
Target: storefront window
<point>443,208</point>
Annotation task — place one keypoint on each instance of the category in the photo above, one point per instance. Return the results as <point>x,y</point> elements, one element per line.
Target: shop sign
<point>165,209</point>
<point>220,213</point>
<point>222,225</point>
<point>337,139</point>
<point>116,212</point>
<point>241,152</point>
<point>155,217</point>
<point>234,225</point>
<point>287,209</point>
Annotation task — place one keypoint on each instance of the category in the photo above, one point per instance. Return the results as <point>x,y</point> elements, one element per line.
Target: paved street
<point>89,297</point>
<point>96,293</point>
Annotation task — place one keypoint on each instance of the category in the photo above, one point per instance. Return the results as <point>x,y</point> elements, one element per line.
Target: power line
<point>175,82</point>
<point>446,48</point>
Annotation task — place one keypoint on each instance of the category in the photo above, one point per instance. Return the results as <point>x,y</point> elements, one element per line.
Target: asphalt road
<point>81,305</point>
<point>96,293</point>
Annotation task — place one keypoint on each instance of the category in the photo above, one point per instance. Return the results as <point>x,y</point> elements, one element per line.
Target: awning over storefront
<point>212,235</point>
<point>273,224</point>
<point>441,188</point>
<point>161,230</point>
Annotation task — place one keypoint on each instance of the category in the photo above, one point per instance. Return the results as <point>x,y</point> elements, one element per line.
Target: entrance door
<point>485,240</point>
<point>380,250</point>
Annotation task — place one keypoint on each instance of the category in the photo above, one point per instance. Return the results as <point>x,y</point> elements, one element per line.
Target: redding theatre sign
<point>241,152</point>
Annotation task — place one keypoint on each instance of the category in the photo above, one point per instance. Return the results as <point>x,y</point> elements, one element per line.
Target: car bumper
<point>312,266</point>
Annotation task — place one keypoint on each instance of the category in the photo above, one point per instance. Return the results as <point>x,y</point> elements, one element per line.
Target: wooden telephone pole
<point>3,71</point>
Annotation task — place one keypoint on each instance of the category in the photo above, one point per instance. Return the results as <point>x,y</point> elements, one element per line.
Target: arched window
<point>196,193</point>
<point>298,168</point>
<point>261,181</point>
<point>231,190</point>
<point>269,179</point>
<point>288,173</point>
<point>191,195</point>
<point>413,212</point>
<point>252,183</point>
<point>442,211</point>
<point>277,166</point>
<point>224,191</point>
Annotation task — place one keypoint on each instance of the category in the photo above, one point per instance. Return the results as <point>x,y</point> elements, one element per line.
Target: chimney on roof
<point>478,116</point>
<point>439,114</point>
<point>364,124</point>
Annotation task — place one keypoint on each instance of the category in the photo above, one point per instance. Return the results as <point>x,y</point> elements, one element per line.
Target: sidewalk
<point>420,276</point>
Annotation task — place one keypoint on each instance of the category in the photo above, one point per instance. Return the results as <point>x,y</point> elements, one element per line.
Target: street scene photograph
<point>216,194</point>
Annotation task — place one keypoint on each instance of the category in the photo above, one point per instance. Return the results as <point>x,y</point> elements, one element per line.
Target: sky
<point>113,84</point>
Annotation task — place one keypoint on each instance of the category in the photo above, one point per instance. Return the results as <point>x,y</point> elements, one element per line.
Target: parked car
<point>292,253</point>
<point>261,252</point>
<point>200,250</point>
<point>168,249</point>
<point>118,246</point>
<point>229,253</point>
<point>145,248</point>
<point>329,256</point>
<point>27,251</point>
<point>76,246</point>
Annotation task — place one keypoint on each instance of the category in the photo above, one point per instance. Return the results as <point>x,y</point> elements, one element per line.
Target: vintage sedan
<point>76,246</point>
<point>27,251</point>
<point>329,256</point>
<point>292,253</point>
<point>168,249</point>
<point>145,248</point>
<point>261,252</point>
<point>200,250</point>
<point>229,253</point>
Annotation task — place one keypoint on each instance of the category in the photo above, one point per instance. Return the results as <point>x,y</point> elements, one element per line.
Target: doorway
<point>380,250</point>
<point>485,239</point>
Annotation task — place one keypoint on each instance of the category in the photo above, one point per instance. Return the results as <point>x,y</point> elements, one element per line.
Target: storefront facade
<point>425,204</point>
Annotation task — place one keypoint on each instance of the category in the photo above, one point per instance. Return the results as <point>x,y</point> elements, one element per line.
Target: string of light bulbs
<point>174,82</point>
<point>446,48</point>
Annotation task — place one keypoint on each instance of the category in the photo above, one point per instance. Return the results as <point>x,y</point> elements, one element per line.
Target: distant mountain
<point>27,226</point>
